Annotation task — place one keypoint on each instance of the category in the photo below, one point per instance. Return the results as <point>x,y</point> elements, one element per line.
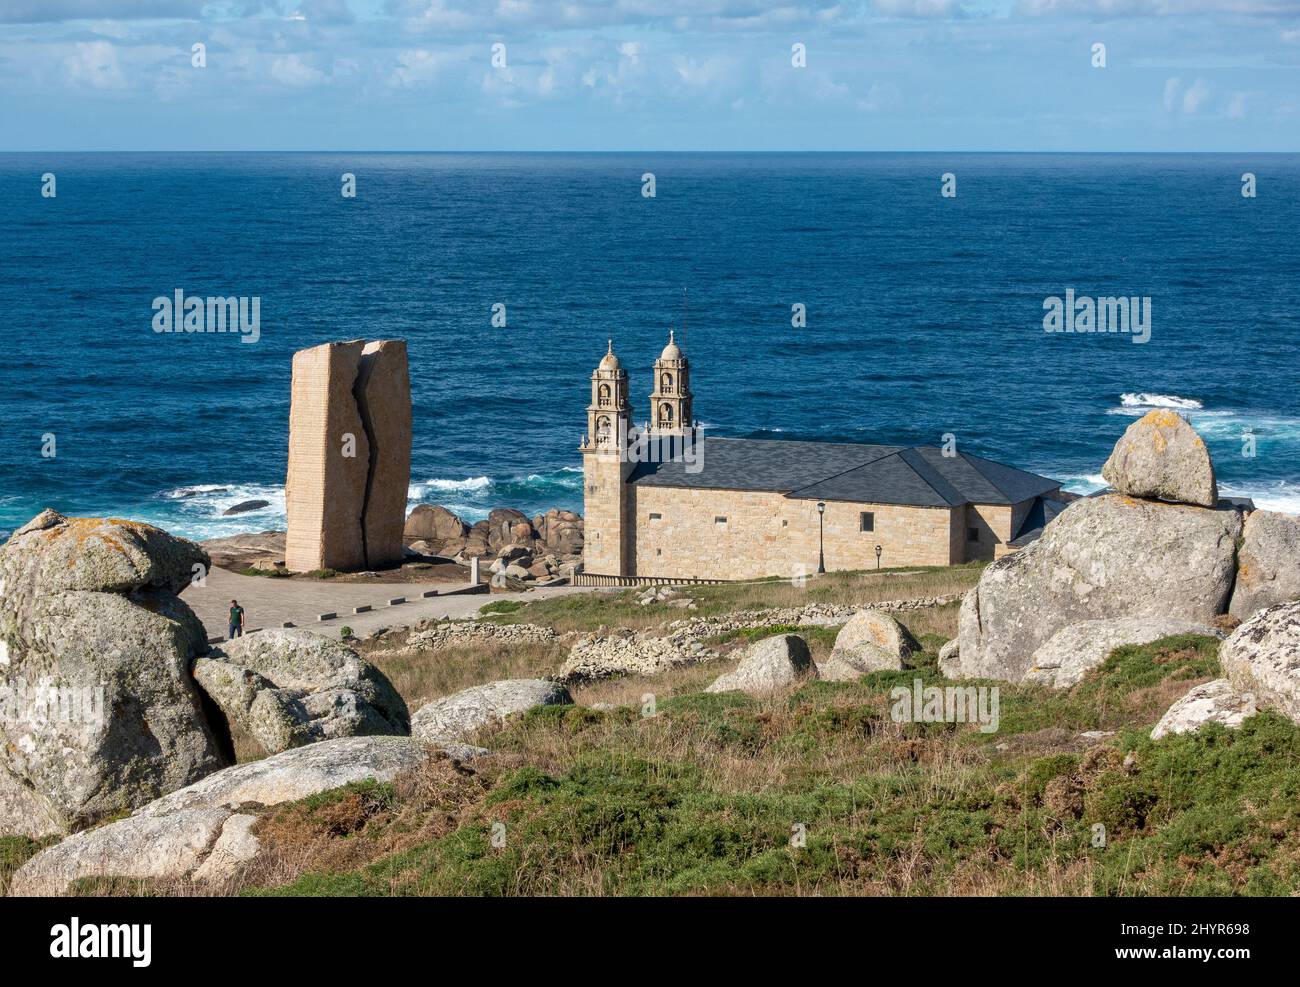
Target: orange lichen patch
<point>1163,419</point>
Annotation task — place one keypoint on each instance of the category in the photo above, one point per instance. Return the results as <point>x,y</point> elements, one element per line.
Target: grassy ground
<point>679,792</point>
<point>590,611</point>
<point>706,795</point>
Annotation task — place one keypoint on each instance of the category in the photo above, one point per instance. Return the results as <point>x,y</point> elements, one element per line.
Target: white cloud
<point>293,71</point>
<point>419,67</point>
<point>703,72</point>
<point>1172,86</point>
<point>919,8</point>
<point>94,65</point>
<point>1157,8</point>
<point>1197,93</point>
<point>881,97</point>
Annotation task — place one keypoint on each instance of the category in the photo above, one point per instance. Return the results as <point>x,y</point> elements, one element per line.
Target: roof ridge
<point>831,476</point>
<point>926,480</point>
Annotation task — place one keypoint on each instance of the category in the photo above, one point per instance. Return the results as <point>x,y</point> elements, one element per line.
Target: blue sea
<point>924,313</point>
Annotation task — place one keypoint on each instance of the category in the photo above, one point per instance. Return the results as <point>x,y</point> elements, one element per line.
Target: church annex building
<point>748,508</point>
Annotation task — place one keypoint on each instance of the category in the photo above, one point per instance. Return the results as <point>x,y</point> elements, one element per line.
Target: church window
<point>655,517</point>
<point>665,414</point>
<point>867,521</point>
<point>666,383</point>
<point>604,394</point>
<point>720,521</point>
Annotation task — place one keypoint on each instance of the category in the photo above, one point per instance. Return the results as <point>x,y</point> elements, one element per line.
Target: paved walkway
<point>269,602</point>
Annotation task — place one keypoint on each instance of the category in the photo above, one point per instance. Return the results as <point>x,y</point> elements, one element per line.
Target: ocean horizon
<point>924,314</point>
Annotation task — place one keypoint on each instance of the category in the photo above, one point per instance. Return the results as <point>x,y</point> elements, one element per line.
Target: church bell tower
<point>606,466</point>
<point>670,398</point>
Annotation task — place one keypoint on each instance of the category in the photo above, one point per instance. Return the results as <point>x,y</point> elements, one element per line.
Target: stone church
<point>665,502</point>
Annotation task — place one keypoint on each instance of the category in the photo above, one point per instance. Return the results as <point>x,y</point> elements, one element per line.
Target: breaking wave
<point>1144,400</point>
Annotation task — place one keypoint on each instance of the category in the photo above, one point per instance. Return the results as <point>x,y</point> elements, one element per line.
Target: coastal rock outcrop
<point>1076,649</point>
<point>197,831</point>
<point>101,715</point>
<point>772,664</point>
<point>261,550</point>
<point>288,688</point>
<point>454,717</point>
<point>1262,658</point>
<point>1102,557</point>
<point>1268,563</point>
<point>244,506</point>
<point>1160,456</point>
<point>436,525</point>
<point>560,531</point>
<point>505,530</point>
<point>1211,702</point>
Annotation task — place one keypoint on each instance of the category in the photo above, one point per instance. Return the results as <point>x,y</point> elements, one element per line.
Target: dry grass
<point>668,790</point>
<point>425,674</point>
<point>587,612</point>
<point>700,798</point>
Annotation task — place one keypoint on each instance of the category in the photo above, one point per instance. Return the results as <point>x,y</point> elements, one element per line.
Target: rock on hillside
<point>774,663</point>
<point>1268,567</point>
<point>871,641</point>
<point>90,607</point>
<point>1075,650</point>
<point>1102,557</point>
<point>1262,658</point>
<point>454,717</point>
<point>1212,702</point>
<point>197,832</point>
<point>598,657</point>
<point>1160,456</point>
<point>292,687</point>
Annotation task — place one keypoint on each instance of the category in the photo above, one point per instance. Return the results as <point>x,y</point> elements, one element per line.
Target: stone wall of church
<point>606,546</point>
<point>740,534</point>
<point>996,525</point>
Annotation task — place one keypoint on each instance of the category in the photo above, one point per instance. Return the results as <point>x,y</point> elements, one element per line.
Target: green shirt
<point>236,616</point>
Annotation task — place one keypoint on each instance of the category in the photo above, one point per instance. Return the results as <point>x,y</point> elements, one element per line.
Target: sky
<point>633,75</point>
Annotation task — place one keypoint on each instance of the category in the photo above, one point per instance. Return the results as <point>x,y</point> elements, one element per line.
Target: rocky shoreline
<point>519,550</point>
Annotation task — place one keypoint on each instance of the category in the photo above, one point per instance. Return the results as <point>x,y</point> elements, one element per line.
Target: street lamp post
<point>821,538</point>
<point>879,549</point>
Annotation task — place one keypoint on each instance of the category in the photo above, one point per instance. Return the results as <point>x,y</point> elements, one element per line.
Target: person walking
<point>236,628</point>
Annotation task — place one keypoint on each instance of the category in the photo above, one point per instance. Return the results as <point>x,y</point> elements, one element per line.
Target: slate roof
<point>917,476</point>
<point>1041,513</point>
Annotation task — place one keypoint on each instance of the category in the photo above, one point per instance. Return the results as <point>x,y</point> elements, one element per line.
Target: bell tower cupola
<point>609,416</point>
<point>670,398</point>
